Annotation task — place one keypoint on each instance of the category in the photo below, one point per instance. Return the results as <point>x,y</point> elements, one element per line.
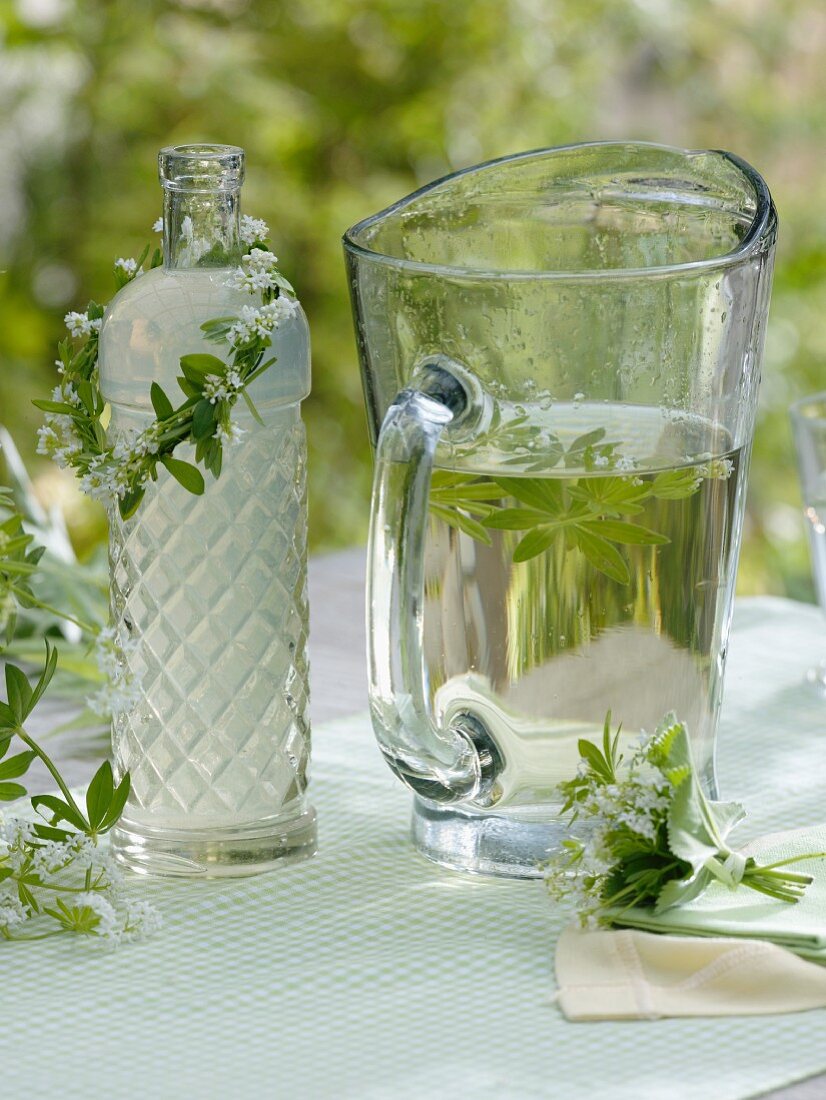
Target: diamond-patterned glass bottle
<point>208,593</point>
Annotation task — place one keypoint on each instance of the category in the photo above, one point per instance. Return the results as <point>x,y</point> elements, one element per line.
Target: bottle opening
<point>201,167</point>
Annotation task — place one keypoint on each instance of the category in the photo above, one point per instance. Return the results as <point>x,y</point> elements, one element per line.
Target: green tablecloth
<point>369,973</point>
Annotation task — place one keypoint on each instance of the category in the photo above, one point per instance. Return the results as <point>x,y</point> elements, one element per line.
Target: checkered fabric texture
<point>368,973</point>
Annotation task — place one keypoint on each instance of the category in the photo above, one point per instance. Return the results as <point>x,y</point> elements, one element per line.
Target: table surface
<point>339,690</point>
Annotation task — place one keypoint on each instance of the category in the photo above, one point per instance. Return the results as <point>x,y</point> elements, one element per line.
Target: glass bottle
<point>208,593</point>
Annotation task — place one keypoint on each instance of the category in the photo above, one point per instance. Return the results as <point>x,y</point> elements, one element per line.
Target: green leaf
<point>281,282</point>
<point>539,492</point>
<point>595,760</point>
<point>220,325</point>
<point>17,765</point>
<point>116,804</point>
<point>7,718</point>
<point>185,474</point>
<point>129,504</point>
<point>45,676</point>
<point>675,484</point>
<point>59,810</point>
<point>197,367</point>
<point>534,543</point>
<point>516,519</point>
<point>203,420</point>
<point>10,791</point>
<point>49,832</point>
<point>482,490</point>
<point>256,415</point>
<point>602,555</point>
<point>461,522</point>
<point>615,495</point>
<point>160,402</point>
<point>629,534</point>
<point>189,388</point>
<point>19,693</point>
<point>55,407</point>
<point>99,794</point>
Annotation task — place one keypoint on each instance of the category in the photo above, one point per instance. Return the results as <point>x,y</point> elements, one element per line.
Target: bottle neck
<point>201,228</point>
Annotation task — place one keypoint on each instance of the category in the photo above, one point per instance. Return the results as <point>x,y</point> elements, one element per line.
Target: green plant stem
<point>52,769</point>
<point>87,628</point>
<point>793,859</point>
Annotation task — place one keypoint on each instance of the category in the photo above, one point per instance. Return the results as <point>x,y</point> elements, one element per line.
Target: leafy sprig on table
<point>53,875</point>
<point>642,833</point>
<point>120,470</point>
<point>585,512</point>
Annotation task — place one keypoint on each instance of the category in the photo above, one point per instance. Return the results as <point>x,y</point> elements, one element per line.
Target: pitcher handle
<point>458,762</point>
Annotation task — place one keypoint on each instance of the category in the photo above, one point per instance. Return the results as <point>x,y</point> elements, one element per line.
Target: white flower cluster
<point>257,272</point>
<point>253,229</point>
<point>121,691</point>
<point>719,469</point>
<point>57,437</point>
<point>100,911</point>
<point>637,804</point>
<point>222,387</point>
<point>229,435</point>
<point>129,266</point>
<point>257,324</point>
<point>80,324</point>
<point>108,477</point>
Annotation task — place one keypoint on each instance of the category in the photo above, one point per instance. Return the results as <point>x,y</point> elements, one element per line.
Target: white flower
<point>157,225</point>
<point>284,307</point>
<point>16,831</point>
<point>259,323</point>
<point>68,394</point>
<point>230,436</point>
<point>625,463</point>
<point>52,856</point>
<point>79,324</point>
<point>121,692</point>
<point>130,266</point>
<point>259,259</point>
<point>142,919</point>
<point>601,460</point>
<point>107,926</point>
<point>12,911</point>
<point>105,480</point>
<point>720,469</point>
<point>221,389</point>
<point>253,229</point>
<point>258,272</point>
<point>57,438</point>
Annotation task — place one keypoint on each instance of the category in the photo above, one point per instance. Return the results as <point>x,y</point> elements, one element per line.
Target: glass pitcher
<point>561,356</point>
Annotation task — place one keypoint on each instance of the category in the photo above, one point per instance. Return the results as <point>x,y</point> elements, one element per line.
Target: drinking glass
<point>560,354</point>
<point>808,416</point>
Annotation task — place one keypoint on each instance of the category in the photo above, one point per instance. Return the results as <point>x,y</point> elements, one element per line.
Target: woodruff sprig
<point>54,877</point>
<point>594,515</point>
<point>121,469</point>
<point>642,833</point>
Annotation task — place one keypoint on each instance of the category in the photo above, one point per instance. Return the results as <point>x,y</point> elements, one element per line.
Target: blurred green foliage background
<point>344,106</point>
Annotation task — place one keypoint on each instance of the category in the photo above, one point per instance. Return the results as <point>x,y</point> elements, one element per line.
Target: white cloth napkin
<point>727,952</point>
<point>628,974</point>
